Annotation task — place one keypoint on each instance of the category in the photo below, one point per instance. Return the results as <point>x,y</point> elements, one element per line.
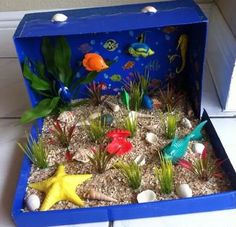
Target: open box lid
<point>110,19</point>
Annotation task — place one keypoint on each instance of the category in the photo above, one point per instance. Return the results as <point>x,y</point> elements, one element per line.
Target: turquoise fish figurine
<point>147,102</point>
<point>178,147</point>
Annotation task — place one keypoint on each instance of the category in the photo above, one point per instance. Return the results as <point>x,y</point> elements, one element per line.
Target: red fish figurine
<point>119,144</point>
<point>94,62</point>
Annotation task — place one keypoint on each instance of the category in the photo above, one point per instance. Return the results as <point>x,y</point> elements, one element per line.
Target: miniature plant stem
<point>130,124</point>
<point>136,96</point>
<point>35,151</point>
<point>100,159</point>
<point>63,134</point>
<point>131,172</point>
<point>165,175</point>
<point>96,129</point>
<point>171,125</point>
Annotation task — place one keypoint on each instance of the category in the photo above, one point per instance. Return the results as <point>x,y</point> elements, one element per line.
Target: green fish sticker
<point>115,78</point>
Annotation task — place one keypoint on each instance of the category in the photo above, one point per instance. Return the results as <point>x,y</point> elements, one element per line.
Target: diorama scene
<point>121,120</point>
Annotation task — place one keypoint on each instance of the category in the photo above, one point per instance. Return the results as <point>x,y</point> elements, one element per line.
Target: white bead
<point>184,191</point>
<point>151,138</point>
<point>33,202</point>
<point>149,9</point>
<point>146,196</point>
<point>186,122</point>
<point>198,148</point>
<point>59,17</point>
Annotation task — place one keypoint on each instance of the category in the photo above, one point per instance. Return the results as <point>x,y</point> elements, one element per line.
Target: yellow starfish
<point>60,186</point>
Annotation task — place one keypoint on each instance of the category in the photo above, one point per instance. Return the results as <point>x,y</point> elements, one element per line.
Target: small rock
<point>107,119</point>
<point>140,160</point>
<point>151,138</point>
<point>114,107</point>
<point>184,191</point>
<point>186,123</point>
<point>198,148</point>
<point>32,202</point>
<point>149,9</point>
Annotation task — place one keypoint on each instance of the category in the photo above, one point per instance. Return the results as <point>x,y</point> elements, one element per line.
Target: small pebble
<point>59,17</point>
<point>146,196</point>
<point>184,191</point>
<point>33,202</point>
<point>198,148</point>
<point>186,123</point>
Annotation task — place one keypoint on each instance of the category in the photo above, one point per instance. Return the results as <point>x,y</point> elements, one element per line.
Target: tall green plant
<point>171,125</point>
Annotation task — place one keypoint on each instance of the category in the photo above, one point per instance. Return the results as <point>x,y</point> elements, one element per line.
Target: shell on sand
<point>82,155</point>
<point>66,117</point>
<point>95,195</point>
<point>151,138</point>
<point>140,160</point>
<point>151,128</point>
<point>133,114</point>
<point>146,196</point>
<point>114,107</point>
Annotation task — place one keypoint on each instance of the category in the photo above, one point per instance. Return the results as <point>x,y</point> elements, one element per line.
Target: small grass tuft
<point>35,151</point>
<point>171,125</point>
<point>63,133</point>
<point>130,124</point>
<point>96,129</point>
<point>131,172</point>
<point>203,167</point>
<point>165,175</point>
<point>100,158</point>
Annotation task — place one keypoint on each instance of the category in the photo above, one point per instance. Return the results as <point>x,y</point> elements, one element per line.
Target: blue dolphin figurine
<point>178,147</point>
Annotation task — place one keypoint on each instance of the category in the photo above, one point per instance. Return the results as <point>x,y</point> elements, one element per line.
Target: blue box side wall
<point>220,201</point>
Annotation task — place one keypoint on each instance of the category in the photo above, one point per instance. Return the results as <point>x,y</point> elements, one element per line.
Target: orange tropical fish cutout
<point>94,62</point>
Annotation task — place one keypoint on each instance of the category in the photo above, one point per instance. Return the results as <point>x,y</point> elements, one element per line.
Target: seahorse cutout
<point>183,46</point>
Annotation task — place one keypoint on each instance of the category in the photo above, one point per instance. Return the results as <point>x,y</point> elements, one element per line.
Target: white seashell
<point>149,9</point>
<point>198,148</point>
<point>59,17</point>
<point>184,191</point>
<point>151,138</point>
<point>139,115</point>
<point>140,160</point>
<point>151,128</point>
<point>146,196</point>
<point>32,202</point>
<point>112,106</point>
<point>82,155</point>
<point>186,122</point>
<point>66,117</point>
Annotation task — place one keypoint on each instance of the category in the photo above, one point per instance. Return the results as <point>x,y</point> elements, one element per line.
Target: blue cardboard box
<point>108,31</point>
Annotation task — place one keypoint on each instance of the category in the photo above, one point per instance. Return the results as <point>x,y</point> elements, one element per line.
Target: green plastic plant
<point>42,78</point>
<point>171,125</point>
<point>96,129</point>
<point>131,172</point>
<point>203,167</point>
<point>100,158</point>
<point>36,152</point>
<point>165,175</point>
<point>95,93</point>
<point>130,124</point>
<point>63,133</point>
<point>136,88</point>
